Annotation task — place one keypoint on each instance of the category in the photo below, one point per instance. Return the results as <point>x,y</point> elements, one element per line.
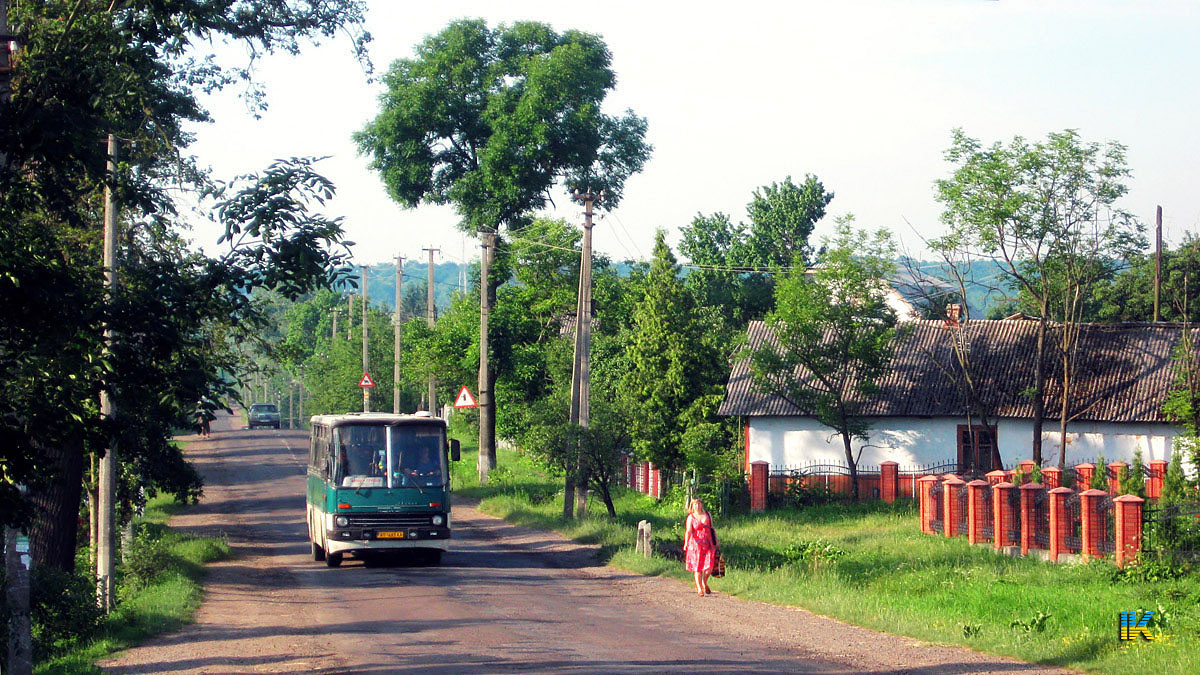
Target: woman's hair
<point>692,506</point>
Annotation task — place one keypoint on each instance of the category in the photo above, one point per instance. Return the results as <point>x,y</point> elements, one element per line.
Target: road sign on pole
<point>465,400</point>
<point>366,381</point>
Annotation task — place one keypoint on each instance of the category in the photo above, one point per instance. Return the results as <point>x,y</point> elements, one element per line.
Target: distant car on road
<point>263,415</point>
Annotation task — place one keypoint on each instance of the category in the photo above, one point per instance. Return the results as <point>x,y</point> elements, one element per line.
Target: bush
<point>148,556</point>
<point>805,491</point>
<point>63,610</point>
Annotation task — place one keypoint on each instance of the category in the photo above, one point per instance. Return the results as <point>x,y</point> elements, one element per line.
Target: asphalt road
<point>505,599</point>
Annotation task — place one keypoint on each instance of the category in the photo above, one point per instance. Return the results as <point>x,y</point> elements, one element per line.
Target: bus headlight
<point>342,521</point>
<point>438,519</point>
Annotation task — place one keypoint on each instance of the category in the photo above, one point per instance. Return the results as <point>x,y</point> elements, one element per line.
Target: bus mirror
<point>455,450</point>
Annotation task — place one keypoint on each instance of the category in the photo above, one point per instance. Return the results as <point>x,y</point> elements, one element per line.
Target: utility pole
<point>396,345</point>
<point>105,561</point>
<point>1157,259</point>
<point>431,383</point>
<point>349,316</point>
<point>16,545</point>
<point>487,411</point>
<point>333,335</point>
<point>366,355</point>
<point>581,365</point>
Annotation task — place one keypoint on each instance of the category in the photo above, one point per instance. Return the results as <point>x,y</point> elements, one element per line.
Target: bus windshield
<point>377,455</point>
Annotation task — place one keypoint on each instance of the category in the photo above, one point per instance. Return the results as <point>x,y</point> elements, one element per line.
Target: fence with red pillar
<point>1060,521</point>
<point>952,506</point>
<point>758,485</point>
<point>1128,522</point>
<point>1154,482</point>
<point>1052,477</point>
<point>1029,516</point>
<point>1091,523</point>
<point>1115,470</point>
<point>928,505</point>
<point>1006,515</point>
<point>1083,475</point>
<point>889,481</point>
<point>979,512</point>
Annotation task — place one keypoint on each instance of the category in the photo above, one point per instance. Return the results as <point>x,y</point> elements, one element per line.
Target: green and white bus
<point>379,482</point>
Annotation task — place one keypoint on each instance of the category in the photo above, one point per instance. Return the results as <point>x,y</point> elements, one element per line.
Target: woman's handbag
<point>719,566</point>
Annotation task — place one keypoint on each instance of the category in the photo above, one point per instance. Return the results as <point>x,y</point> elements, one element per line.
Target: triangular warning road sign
<point>465,400</point>
<point>366,381</point>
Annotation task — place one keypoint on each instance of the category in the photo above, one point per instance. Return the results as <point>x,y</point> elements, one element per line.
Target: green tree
<point>85,70</point>
<point>782,218</point>
<point>489,120</point>
<point>671,362</point>
<point>834,335</point>
<point>1047,214</point>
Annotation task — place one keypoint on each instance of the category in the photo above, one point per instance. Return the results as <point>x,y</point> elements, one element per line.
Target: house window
<point>976,444</point>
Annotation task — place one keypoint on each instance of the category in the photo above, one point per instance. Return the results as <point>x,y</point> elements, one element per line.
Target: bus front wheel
<point>333,559</point>
<point>318,553</point>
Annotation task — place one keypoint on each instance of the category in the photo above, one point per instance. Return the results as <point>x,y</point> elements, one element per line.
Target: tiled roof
<point>1123,372</point>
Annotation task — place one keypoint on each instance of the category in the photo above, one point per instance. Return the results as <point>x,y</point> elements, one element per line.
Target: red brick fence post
<point>1083,476</point>
<point>758,485</point>
<point>1052,477</point>
<point>1091,528</point>
<point>1154,483</point>
<point>1128,521</point>
<point>889,481</point>
<point>951,508</point>
<point>926,503</point>
<point>976,517</point>
<point>1004,516</point>
<point>1028,517</point>
<point>1114,476</point>
<point>1060,525</point>
<point>995,477</point>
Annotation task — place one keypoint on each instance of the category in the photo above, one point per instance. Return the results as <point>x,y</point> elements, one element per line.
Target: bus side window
<point>327,454</point>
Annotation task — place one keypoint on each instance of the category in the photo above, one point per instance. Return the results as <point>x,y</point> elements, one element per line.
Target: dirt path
<point>506,598</point>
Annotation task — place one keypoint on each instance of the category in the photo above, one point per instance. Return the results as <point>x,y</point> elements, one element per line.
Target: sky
<point>863,94</point>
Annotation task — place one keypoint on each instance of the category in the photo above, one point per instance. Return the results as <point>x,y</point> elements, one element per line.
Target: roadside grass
<point>161,592</point>
<point>869,565</point>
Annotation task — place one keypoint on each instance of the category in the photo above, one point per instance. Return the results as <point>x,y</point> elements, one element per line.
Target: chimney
<point>953,315</point>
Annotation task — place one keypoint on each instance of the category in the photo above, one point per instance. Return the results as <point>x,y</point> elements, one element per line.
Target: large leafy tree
<point>1046,212</point>
<point>834,335</point>
<point>782,217</point>
<point>82,71</point>
<point>490,120</point>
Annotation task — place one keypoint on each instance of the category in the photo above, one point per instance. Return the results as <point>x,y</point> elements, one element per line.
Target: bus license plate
<point>390,535</point>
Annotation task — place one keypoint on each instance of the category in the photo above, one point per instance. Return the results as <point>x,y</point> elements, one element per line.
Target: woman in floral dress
<point>699,545</point>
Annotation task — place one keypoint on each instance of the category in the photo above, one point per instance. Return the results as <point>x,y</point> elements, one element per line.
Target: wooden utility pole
<point>431,383</point>
<point>487,410</point>
<point>581,365</point>
<point>105,560</point>
<point>366,355</point>
<point>1157,259</point>
<point>396,345</point>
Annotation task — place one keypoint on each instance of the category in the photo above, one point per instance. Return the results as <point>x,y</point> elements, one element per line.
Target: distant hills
<point>984,276</point>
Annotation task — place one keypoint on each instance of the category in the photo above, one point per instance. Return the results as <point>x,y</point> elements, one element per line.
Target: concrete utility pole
<point>431,383</point>
<point>366,355</point>
<point>487,411</point>
<point>16,569</point>
<point>581,367</point>
<point>105,561</point>
<point>1157,259</point>
<point>396,345</point>
<point>349,315</point>
<point>333,334</point>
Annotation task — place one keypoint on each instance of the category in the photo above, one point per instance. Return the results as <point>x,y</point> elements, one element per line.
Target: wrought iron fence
<point>961,524</point>
<point>1072,523</point>
<point>987,527</point>
<point>1041,519</point>
<point>1172,530</point>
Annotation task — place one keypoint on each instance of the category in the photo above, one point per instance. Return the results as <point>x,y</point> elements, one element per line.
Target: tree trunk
<point>1039,386</point>
<point>850,463</point>
<point>55,502</point>
<point>605,494</point>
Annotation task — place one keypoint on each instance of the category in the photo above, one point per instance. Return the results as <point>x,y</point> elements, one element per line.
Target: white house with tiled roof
<point>1122,377</point>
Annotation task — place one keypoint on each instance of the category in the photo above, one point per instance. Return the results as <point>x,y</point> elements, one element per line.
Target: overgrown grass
<point>156,597</point>
<point>870,565</point>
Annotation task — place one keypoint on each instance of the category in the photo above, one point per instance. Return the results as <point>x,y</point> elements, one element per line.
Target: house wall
<point>790,441</point>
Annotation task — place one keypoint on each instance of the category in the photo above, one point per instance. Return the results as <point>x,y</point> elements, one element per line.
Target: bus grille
<point>386,520</point>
